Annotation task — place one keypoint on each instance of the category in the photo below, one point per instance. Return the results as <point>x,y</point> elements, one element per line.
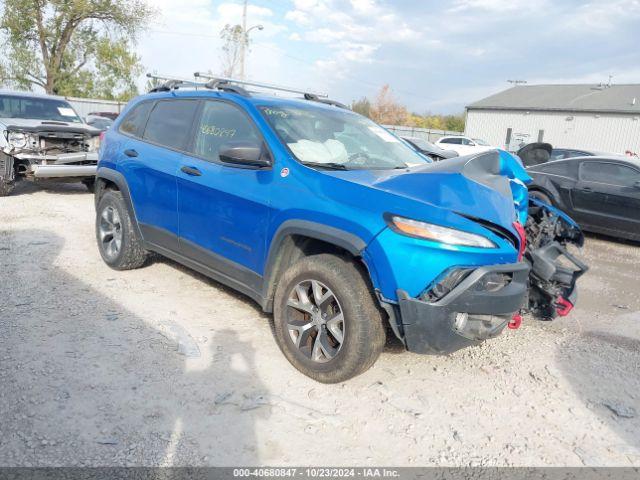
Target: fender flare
<point>118,179</point>
<point>544,189</point>
<point>318,231</point>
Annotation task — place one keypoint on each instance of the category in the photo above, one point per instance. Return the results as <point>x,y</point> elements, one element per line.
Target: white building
<point>604,118</point>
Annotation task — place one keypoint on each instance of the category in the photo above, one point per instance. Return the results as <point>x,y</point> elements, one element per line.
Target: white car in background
<point>463,145</point>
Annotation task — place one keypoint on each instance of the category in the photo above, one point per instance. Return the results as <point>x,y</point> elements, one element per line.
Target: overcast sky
<point>437,56</point>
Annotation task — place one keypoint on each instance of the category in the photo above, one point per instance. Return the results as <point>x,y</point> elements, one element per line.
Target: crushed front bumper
<point>64,165</point>
<point>466,315</point>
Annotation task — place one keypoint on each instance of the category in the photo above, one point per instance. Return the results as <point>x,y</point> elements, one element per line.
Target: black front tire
<point>363,333</point>
<point>119,243</point>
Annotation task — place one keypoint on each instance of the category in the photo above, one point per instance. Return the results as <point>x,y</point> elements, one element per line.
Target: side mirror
<point>245,154</point>
<point>637,185</point>
<point>472,144</point>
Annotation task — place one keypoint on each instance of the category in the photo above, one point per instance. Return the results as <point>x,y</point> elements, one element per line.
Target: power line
<point>293,57</point>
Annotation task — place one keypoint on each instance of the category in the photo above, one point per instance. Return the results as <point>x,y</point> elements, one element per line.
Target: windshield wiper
<point>329,165</point>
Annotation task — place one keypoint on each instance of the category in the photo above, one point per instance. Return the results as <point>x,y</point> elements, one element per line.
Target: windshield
<point>15,106</point>
<point>339,139</point>
<point>481,142</point>
<point>102,123</point>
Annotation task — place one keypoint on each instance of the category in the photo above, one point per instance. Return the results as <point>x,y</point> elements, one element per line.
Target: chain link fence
<point>429,134</point>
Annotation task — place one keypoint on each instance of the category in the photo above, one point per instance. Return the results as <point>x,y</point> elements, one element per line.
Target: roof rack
<point>173,83</point>
<point>233,85</point>
<point>314,97</point>
<point>268,86</point>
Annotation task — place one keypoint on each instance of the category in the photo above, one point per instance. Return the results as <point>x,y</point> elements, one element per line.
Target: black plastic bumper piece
<point>436,327</point>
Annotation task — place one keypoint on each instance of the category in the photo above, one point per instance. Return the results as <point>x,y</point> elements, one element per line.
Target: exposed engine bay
<point>554,270</point>
<point>50,150</point>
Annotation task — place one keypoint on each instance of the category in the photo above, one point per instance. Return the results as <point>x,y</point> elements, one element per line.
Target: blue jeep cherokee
<point>324,218</point>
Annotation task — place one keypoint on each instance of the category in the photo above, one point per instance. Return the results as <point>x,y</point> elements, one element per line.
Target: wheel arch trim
<point>119,180</point>
<point>305,228</point>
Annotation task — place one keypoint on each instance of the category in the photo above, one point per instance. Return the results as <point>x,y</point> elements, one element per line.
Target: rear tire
<point>327,322</point>
<point>119,243</point>
<point>541,196</point>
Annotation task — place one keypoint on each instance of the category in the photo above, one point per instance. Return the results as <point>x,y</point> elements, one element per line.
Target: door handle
<point>130,153</point>
<point>191,171</point>
<point>587,189</point>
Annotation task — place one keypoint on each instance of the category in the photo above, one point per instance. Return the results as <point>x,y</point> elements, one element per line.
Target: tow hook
<point>515,322</point>
<point>563,306</point>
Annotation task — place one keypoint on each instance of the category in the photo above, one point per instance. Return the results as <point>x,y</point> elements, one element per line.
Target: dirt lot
<point>160,366</point>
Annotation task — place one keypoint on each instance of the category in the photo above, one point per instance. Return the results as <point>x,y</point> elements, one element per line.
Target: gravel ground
<point>161,366</point>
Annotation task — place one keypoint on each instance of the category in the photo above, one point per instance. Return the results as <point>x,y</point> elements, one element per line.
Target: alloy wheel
<point>110,230</point>
<point>315,320</point>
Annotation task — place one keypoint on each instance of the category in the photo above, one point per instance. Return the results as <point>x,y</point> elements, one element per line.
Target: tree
<point>233,37</point>
<point>386,110</point>
<point>73,47</point>
<point>362,106</point>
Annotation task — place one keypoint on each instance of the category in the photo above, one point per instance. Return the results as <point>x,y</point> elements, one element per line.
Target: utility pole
<point>245,38</point>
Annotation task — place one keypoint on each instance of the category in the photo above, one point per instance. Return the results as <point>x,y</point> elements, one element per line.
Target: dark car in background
<point>601,193</point>
<point>560,153</point>
<point>429,149</point>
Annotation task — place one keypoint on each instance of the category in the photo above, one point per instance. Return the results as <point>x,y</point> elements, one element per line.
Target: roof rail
<point>227,85</point>
<point>268,86</point>
<point>173,83</point>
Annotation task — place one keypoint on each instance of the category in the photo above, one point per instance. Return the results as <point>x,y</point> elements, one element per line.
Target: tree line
<point>386,110</point>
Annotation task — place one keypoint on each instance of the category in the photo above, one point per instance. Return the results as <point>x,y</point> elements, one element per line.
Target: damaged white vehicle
<point>42,138</point>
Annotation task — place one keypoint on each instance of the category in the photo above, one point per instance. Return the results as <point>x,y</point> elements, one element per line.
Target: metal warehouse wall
<point>606,133</point>
<point>84,106</point>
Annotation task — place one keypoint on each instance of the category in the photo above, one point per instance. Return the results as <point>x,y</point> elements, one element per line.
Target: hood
<point>32,125</point>
<point>489,186</point>
<point>535,153</point>
<point>440,152</point>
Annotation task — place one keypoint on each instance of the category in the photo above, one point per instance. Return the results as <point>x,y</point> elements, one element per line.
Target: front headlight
<point>437,233</point>
<point>17,139</point>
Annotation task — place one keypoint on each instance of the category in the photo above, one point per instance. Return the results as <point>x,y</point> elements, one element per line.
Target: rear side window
<point>454,141</point>
<point>577,153</point>
<point>609,173</point>
<point>222,124</point>
<point>170,122</point>
<point>133,123</point>
<point>555,168</point>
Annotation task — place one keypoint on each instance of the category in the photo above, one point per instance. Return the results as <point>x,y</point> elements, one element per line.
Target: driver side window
<point>221,124</point>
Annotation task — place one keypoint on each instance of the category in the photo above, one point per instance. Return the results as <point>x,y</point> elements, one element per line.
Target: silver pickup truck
<point>43,138</point>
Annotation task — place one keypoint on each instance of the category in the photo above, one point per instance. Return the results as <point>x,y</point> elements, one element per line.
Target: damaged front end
<point>554,270</point>
<point>51,151</point>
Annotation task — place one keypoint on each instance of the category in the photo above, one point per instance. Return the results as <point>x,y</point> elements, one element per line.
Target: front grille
<point>57,145</point>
